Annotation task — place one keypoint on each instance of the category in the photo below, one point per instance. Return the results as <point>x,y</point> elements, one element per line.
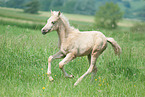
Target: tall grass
<point>22,25</point>
<point>23,67</point>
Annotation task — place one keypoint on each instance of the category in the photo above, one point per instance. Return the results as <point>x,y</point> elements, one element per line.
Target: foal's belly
<point>84,49</point>
<point>83,52</point>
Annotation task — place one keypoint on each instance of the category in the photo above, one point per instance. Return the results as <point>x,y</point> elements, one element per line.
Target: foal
<point>73,43</point>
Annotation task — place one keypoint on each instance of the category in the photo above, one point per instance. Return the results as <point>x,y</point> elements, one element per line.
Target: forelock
<point>55,13</point>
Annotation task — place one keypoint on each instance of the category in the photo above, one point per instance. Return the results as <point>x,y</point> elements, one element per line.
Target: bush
<point>108,15</point>
<point>32,7</point>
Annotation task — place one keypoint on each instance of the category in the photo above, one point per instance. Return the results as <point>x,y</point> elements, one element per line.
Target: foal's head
<point>52,23</point>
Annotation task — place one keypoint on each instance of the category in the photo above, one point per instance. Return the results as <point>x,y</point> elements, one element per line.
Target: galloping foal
<point>73,43</point>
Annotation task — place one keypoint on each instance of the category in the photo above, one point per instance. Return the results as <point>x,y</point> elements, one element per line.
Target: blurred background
<point>132,9</point>
<point>97,14</point>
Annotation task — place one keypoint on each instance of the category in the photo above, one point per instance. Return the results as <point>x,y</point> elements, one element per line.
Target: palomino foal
<point>73,43</point>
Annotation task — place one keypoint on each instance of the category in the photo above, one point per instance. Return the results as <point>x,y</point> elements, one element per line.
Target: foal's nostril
<point>43,30</point>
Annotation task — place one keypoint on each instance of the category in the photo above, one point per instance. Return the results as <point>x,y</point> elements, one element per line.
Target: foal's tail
<point>116,47</point>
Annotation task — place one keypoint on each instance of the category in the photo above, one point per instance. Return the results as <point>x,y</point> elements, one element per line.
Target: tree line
<point>87,7</point>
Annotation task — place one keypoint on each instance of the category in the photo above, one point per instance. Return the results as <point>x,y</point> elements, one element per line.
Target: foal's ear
<point>51,12</point>
<point>59,13</point>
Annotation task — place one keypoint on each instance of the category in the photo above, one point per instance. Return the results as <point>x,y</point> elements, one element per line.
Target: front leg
<point>58,55</point>
<point>67,59</point>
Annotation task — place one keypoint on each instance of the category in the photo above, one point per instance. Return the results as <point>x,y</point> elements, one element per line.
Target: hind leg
<point>97,50</point>
<point>91,68</point>
<point>93,73</point>
<point>94,68</point>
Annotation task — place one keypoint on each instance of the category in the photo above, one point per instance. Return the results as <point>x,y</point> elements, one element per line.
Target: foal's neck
<point>63,31</point>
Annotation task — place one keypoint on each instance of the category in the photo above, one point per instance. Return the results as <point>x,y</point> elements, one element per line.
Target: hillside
<point>16,17</point>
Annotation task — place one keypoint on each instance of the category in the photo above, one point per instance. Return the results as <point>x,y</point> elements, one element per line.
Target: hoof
<point>69,76</point>
<point>75,84</point>
<point>51,79</point>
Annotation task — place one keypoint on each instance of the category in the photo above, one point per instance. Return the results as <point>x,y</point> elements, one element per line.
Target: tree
<point>57,4</point>
<point>69,6</point>
<point>108,15</point>
<point>141,13</point>
<point>32,7</point>
<point>45,5</point>
<point>13,3</point>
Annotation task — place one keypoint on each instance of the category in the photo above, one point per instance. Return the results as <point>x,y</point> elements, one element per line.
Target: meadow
<point>24,52</point>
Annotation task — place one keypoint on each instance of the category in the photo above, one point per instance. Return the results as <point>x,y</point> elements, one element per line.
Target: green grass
<point>23,65</point>
<point>24,53</point>
<point>19,14</point>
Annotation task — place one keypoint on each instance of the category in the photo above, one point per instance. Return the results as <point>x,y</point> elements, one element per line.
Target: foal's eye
<point>53,22</point>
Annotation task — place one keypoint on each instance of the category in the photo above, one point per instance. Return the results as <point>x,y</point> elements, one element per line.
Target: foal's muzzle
<point>45,31</point>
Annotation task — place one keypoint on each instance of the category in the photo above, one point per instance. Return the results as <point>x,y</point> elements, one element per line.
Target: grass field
<point>23,63</point>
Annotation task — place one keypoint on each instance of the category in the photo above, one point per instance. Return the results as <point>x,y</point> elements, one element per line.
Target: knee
<point>61,65</point>
<point>50,58</point>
